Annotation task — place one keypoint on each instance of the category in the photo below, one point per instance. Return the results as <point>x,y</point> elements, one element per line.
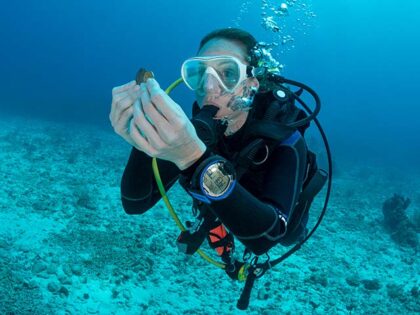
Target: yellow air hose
<point>165,198</point>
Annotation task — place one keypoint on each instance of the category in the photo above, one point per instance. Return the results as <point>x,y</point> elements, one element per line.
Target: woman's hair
<point>234,34</point>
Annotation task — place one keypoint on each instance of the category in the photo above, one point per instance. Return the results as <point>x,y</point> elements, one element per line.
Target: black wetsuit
<point>251,211</point>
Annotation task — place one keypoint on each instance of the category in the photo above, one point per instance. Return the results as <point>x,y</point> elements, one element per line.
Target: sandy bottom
<point>67,246</point>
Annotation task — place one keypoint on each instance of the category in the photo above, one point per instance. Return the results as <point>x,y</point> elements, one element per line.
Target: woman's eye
<point>228,74</point>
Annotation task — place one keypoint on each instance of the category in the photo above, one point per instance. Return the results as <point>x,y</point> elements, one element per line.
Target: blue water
<point>60,59</point>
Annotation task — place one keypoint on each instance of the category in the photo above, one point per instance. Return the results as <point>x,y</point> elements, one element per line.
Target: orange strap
<point>218,234</point>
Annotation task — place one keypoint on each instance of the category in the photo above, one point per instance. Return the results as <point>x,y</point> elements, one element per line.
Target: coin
<point>143,75</point>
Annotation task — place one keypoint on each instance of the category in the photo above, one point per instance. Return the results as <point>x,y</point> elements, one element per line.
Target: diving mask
<point>229,71</point>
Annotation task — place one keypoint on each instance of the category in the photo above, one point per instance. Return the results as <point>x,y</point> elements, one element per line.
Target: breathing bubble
<point>269,24</point>
<point>284,7</point>
<point>284,21</point>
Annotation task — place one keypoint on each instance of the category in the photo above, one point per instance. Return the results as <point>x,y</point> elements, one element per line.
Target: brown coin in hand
<point>143,75</point>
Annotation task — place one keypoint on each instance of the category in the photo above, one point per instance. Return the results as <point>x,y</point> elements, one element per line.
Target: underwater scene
<point>209,157</point>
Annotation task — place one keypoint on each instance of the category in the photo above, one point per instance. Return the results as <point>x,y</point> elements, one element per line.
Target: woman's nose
<point>209,84</point>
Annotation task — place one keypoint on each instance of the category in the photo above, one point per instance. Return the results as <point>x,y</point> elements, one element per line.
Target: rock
<point>394,291</point>
<point>314,304</point>
<point>38,267</point>
<point>115,293</point>
<point>396,221</point>
<point>263,294</point>
<point>318,278</point>
<point>351,306</point>
<point>52,269</point>
<point>54,286</point>
<point>84,201</point>
<point>67,270</point>
<point>63,292</point>
<point>409,260</point>
<point>415,292</point>
<point>39,206</point>
<point>86,258</point>
<point>55,259</point>
<point>65,280</point>
<point>70,311</point>
<point>31,284</point>
<point>353,281</point>
<point>43,275</point>
<point>126,294</point>
<point>25,248</point>
<point>19,279</point>
<point>91,309</point>
<point>372,285</point>
<point>126,275</point>
<point>76,269</point>
<point>3,244</point>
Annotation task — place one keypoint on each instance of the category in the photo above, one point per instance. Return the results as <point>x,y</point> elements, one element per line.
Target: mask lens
<point>193,72</point>
<point>228,71</point>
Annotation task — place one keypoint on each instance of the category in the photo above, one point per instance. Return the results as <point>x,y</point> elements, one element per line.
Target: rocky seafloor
<point>67,246</point>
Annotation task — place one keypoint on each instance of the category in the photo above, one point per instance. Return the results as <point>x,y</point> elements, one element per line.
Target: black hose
<point>327,197</point>
<point>243,301</point>
<point>312,114</point>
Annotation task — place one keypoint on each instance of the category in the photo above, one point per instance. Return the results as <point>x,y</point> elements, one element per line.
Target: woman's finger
<point>149,131</point>
<point>172,112</point>
<point>123,101</point>
<point>150,111</point>
<point>122,124</point>
<point>118,89</point>
<point>140,141</point>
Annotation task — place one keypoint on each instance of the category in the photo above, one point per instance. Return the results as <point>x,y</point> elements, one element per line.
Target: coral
<point>371,284</point>
<point>396,221</point>
<point>318,278</point>
<point>353,281</point>
<point>395,291</point>
<point>83,198</point>
<point>416,220</point>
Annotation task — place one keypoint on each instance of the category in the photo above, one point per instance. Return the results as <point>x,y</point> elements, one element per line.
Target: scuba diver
<point>242,157</point>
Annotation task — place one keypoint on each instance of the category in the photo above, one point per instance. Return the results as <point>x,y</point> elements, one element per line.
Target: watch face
<point>216,181</point>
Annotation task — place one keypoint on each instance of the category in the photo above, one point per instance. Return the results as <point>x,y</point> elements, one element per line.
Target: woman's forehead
<point>220,46</point>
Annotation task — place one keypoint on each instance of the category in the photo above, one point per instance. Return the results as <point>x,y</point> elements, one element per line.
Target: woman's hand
<point>161,129</point>
<point>123,98</point>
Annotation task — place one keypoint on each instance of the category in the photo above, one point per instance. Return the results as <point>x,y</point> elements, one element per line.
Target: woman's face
<point>211,93</point>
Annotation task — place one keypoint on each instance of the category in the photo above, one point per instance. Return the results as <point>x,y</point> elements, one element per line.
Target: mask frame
<point>245,71</point>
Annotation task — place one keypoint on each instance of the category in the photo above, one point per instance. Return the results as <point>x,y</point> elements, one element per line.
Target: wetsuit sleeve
<point>255,220</point>
<point>139,191</point>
